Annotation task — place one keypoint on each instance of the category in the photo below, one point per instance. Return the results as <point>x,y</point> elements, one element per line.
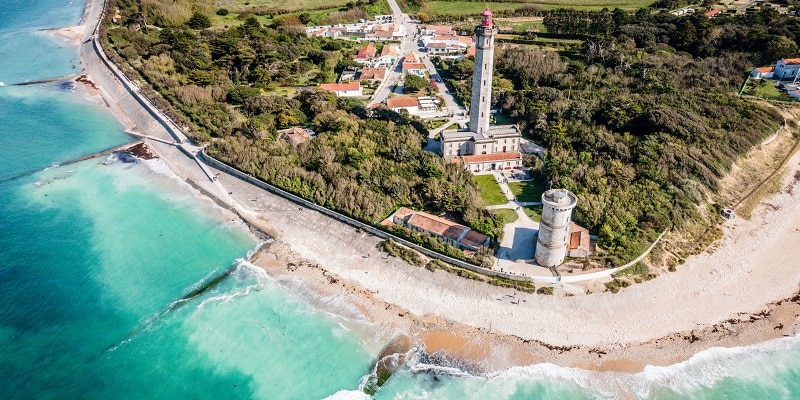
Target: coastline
<point>745,292</point>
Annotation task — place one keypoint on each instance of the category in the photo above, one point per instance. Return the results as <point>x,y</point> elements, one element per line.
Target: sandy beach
<point>744,290</point>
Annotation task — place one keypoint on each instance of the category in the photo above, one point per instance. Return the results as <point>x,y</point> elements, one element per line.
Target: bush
<point>223,12</point>
<point>547,290</point>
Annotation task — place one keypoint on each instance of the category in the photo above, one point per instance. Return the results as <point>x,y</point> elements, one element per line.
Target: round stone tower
<point>551,244</point>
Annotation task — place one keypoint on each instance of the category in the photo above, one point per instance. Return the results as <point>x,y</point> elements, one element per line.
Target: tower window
<point>484,82</point>
<point>485,65</point>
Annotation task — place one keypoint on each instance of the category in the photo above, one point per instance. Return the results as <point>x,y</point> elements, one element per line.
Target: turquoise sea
<point>99,259</point>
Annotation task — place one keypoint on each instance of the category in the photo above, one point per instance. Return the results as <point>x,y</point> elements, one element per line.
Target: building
<point>349,89</point>
<point>372,74</point>
<point>554,228</point>
<point>453,45</point>
<point>683,11</point>
<point>786,68</point>
<point>450,232</point>
<point>410,104</point>
<point>713,13</point>
<point>412,65</point>
<point>365,53</point>
<point>296,136</point>
<point>389,54</point>
<point>429,30</point>
<point>498,146</point>
<point>579,244</point>
<point>762,72</point>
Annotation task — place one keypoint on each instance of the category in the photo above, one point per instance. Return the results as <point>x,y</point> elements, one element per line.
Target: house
<point>711,14</point>
<point>786,68</point>
<point>349,89</point>
<point>762,72</point>
<point>296,136</point>
<point>450,232</point>
<point>411,65</point>
<point>410,104</point>
<point>348,74</point>
<point>389,55</point>
<point>683,11</point>
<point>365,53</point>
<point>428,103</point>
<point>372,74</point>
<point>579,243</point>
<point>447,45</point>
<point>429,30</point>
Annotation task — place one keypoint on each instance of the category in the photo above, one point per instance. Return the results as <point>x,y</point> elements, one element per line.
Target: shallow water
<point>97,259</point>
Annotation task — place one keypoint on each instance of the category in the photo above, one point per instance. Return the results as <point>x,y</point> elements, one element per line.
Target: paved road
<point>411,43</point>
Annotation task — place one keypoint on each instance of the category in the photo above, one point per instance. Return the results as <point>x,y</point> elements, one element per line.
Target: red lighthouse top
<point>486,20</point>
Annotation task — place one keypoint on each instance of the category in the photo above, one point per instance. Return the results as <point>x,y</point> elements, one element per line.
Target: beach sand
<point>744,291</point>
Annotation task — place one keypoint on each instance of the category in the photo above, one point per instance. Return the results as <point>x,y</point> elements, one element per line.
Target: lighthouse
<point>481,102</point>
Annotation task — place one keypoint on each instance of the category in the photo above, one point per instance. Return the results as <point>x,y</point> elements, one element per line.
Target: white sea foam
<point>703,370</point>
<point>348,395</point>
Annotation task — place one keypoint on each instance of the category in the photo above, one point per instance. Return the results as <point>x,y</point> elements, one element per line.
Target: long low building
<point>450,232</point>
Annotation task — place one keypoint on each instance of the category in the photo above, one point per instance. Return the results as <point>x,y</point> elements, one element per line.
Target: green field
<point>507,215</point>
<point>444,7</point>
<point>528,191</point>
<point>491,194</point>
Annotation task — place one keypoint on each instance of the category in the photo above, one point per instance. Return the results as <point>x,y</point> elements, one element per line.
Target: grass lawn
<point>533,212</point>
<point>527,191</point>
<point>507,215</point>
<point>491,194</point>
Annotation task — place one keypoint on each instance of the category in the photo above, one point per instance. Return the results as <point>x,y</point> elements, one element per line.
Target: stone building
<point>554,228</point>
<point>498,145</point>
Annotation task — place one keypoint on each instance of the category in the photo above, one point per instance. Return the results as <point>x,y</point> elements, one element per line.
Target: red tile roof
<point>475,239</point>
<point>791,61</point>
<point>578,238</point>
<point>340,87</point>
<point>397,102</point>
<point>366,52</point>
<point>372,73</point>
<point>513,155</point>
<point>413,66</point>
<point>711,13</point>
<point>765,69</point>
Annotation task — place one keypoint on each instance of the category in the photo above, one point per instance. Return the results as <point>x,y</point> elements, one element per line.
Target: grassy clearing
<point>242,5</point>
<point>527,191</point>
<point>507,215</point>
<point>765,89</point>
<point>444,7</point>
<point>491,194</point>
<point>533,212</point>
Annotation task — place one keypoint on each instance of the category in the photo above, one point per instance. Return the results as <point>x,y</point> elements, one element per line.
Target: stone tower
<point>551,244</point>
<point>481,101</point>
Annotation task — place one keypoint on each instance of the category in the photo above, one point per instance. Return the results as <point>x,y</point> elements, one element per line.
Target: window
<point>484,82</point>
<point>504,141</point>
<point>485,65</point>
<point>481,115</point>
<point>484,147</point>
<point>483,99</point>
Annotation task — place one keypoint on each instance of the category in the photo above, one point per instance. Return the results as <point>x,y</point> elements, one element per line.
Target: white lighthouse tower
<point>481,101</point>
<point>551,244</point>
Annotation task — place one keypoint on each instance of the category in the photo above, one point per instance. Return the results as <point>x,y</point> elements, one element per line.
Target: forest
<point>640,121</point>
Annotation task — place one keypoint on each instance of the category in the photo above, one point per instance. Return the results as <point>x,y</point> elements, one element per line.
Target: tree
<point>199,21</point>
<point>415,83</point>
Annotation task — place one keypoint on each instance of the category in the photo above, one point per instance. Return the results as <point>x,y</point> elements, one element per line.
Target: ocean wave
<point>349,395</point>
<point>703,370</point>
